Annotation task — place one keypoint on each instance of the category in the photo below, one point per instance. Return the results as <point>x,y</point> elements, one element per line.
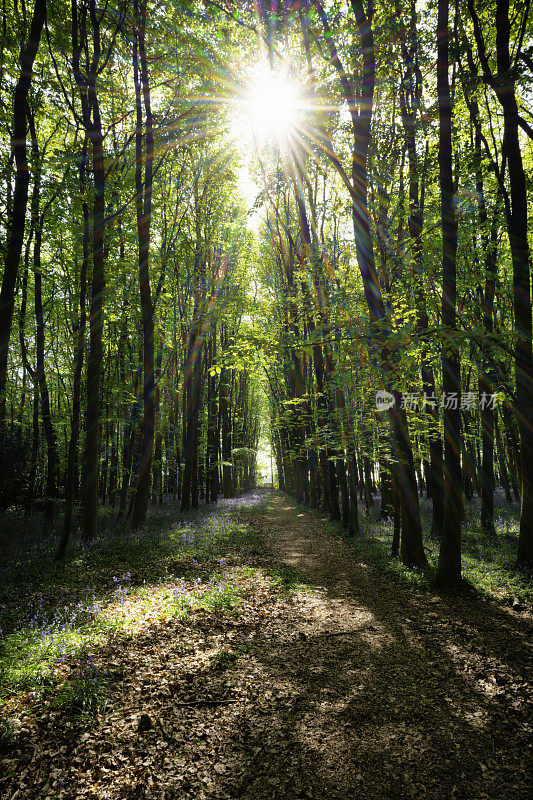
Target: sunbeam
<point>268,110</point>
<point>274,107</point>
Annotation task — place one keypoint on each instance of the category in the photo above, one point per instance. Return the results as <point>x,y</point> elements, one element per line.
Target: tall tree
<point>143,191</point>
<point>79,347</point>
<point>361,118</point>
<point>28,53</point>
<point>503,82</point>
<point>449,566</point>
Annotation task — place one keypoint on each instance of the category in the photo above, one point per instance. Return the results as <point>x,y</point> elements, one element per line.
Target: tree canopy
<point>300,223</point>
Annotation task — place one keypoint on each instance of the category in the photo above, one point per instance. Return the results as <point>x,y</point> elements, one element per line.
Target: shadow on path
<point>344,686</point>
<point>383,692</point>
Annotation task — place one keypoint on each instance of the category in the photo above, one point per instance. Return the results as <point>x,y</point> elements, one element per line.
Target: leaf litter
<point>319,677</point>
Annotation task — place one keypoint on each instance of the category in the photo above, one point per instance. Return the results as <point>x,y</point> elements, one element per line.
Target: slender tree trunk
<point>197,394</point>
<point>157,480</point>
<point>352,482</point>
<point>412,546</point>
<point>34,449</point>
<point>503,84</point>
<point>369,499</point>
<point>48,427</point>
<point>94,364</point>
<point>20,199</point>
<point>192,388</point>
<point>104,468</point>
<point>413,550</point>
<point>395,546</point>
<point>144,211</point>
<point>449,566</point>
<point>28,368</point>
<point>513,452</point>
<point>131,432</point>
<point>113,466</point>
<point>485,382</point>
<point>79,347</point>
<point>345,498</point>
<point>410,96</point>
<point>226,434</point>
<point>522,267</point>
<point>504,476</point>
<point>211,478</point>
<point>487,466</point>
<point>314,482</point>
<point>52,456</point>
<point>86,83</point>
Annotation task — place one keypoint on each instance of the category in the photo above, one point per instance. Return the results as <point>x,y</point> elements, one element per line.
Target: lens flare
<point>273,105</point>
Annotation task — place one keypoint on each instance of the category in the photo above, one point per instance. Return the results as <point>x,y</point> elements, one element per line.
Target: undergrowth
<point>487,566</point>
<point>55,616</point>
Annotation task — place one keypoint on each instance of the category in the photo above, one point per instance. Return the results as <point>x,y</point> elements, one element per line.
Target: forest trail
<point>395,693</point>
<point>331,683</point>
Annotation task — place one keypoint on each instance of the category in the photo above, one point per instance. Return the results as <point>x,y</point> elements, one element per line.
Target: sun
<point>273,103</point>
<point>268,108</point>
<point>268,116</point>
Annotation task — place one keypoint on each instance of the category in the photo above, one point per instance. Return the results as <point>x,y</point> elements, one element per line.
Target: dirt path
<point>392,694</point>
<point>343,687</point>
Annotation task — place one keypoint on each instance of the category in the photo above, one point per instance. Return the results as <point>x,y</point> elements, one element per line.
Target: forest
<point>265,352</point>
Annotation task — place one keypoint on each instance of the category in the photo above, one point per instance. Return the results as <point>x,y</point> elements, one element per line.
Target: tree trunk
<point>48,427</point>
<point>449,566</point>
<point>503,84</point>
<point>52,456</point>
<point>93,127</point>
<point>410,96</point>
<point>192,389</point>
<point>518,239</point>
<point>34,449</point>
<point>352,482</point>
<point>485,382</point>
<point>144,211</point>
<point>20,199</point>
<point>345,498</point>
<point>226,435</point>
<point>79,348</point>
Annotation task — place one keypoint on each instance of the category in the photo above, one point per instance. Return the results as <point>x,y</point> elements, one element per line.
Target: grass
<point>224,659</point>
<point>286,579</point>
<point>488,566</point>
<point>221,593</point>
<point>55,617</point>
<point>85,691</point>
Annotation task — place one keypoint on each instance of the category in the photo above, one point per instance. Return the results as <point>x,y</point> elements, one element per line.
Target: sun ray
<point>269,107</point>
<point>274,105</point>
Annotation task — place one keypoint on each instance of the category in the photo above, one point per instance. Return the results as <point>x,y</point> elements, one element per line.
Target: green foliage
<point>286,579</point>
<point>84,692</point>
<point>224,659</point>
<point>6,735</point>
<point>218,595</point>
<point>150,571</point>
<point>488,567</point>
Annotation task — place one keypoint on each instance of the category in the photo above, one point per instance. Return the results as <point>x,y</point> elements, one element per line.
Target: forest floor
<point>278,664</point>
